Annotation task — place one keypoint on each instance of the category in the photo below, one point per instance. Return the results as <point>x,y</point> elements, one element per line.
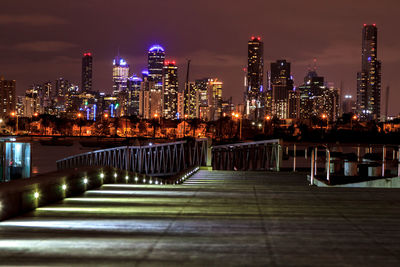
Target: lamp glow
<point>64,187</point>
<point>115,175</point>
<point>136,179</point>
<point>127,177</point>
<point>101,175</point>
<point>36,195</point>
<point>85,180</point>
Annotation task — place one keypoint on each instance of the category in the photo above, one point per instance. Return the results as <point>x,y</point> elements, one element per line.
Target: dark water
<point>44,157</point>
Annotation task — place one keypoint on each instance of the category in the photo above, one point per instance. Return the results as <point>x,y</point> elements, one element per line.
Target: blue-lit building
<point>254,94</point>
<point>120,75</point>
<point>156,59</point>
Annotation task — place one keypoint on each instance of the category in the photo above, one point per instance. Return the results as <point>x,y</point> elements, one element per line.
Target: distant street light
<point>14,114</point>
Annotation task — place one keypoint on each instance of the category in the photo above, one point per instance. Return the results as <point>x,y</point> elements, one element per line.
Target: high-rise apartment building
<point>369,79</point>
<point>201,89</point>
<point>7,97</point>
<point>281,84</point>
<point>170,90</point>
<point>134,86</point>
<point>254,80</point>
<point>120,75</point>
<point>317,99</point>
<point>156,59</point>
<point>214,93</point>
<point>87,71</point>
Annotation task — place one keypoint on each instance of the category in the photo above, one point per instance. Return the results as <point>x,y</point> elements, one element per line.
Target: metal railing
<point>154,159</point>
<point>260,155</point>
<point>384,150</point>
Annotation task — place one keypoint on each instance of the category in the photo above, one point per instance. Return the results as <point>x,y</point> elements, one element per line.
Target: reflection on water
<point>35,170</point>
<point>44,157</point>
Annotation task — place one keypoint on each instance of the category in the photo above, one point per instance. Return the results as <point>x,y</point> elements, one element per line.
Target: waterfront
<point>214,218</point>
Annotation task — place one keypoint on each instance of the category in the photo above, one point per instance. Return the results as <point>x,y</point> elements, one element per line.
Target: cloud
<point>335,54</point>
<point>206,58</point>
<point>44,46</point>
<point>32,20</point>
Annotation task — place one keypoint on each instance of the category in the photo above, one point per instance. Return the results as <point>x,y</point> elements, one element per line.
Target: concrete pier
<point>214,218</point>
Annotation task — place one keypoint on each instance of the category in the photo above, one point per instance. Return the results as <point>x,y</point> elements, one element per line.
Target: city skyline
<point>338,58</point>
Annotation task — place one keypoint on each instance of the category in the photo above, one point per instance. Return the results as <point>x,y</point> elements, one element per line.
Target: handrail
<point>122,147</point>
<point>248,143</point>
<point>164,159</point>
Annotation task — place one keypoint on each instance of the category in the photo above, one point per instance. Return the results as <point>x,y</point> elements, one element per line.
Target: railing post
<point>312,167</point>
<point>279,154</point>
<point>328,169</point>
<point>398,162</point>
<point>294,157</point>
<point>316,161</point>
<point>383,160</point>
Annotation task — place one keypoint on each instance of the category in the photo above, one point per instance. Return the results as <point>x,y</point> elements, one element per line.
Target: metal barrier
<point>154,159</point>
<point>260,155</point>
<point>395,158</point>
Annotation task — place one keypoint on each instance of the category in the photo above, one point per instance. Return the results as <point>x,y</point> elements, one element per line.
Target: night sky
<point>43,40</point>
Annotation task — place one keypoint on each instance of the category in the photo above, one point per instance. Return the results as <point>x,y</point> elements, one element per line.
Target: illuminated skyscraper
<point>281,84</point>
<point>134,85</point>
<point>201,86</point>
<point>254,79</point>
<point>87,62</point>
<point>62,86</point>
<point>170,90</point>
<point>190,101</point>
<point>156,58</point>
<point>214,93</point>
<point>120,75</point>
<point>369,79</point>
<point>7,97</point>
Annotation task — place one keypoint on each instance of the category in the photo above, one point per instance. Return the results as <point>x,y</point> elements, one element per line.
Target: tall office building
<point>120,75</point>
<point>201,86</point>
<point>87,69</point>
<point>134,86</point>
<point>316,99</point>
<point>369,79</point>
<point>7,97</point>
<point>62,86</point>
<point>214,93</point>
<point>156,58</point>
<point>170,90</point>
<point>254,80</point>
<point>281,84</point>
<point>190,101</point>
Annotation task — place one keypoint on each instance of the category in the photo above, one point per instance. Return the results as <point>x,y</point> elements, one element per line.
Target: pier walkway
<point>216,218</point>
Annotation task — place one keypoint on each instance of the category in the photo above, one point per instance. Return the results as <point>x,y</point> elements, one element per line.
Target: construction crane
<point>186,97</point>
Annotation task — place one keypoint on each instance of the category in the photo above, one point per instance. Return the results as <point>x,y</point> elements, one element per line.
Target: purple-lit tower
<point>156,58</point>
<point>369,79</point>
<point>254,81</point>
